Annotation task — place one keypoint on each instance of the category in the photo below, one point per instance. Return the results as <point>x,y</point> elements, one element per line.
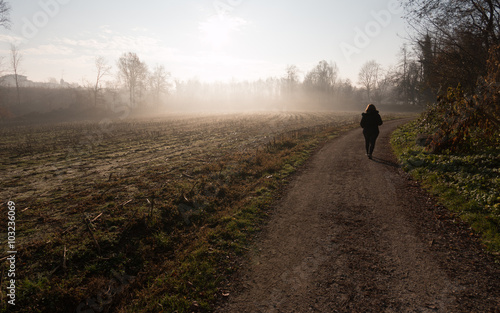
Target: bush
<point>459,122</point>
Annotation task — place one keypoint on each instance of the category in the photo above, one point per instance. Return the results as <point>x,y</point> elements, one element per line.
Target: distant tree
<point>406,78</point>
<point>102,69</point>
<point>4,14</point>
<point>321,81</point>
<point>15,61</point>
<point>290,81</point>
<point>291,78</point>
<point>274,87</point>
<point>112,92</point>
<point>322,77</point>
<point>383,86</point>
<point>401,77</point>
<point>133,72</point>
<point>346,93</point>
<point>159,82</point>
<point>416,93</point>
<point>369,77</point>
<point>346,88</point>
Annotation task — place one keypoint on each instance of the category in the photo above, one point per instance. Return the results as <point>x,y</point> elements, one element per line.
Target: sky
<point>210,40</point>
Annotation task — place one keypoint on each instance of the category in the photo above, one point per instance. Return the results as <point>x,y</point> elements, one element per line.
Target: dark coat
<point>370,121</point>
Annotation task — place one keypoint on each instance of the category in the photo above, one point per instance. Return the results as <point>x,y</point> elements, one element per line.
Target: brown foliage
<point>468,122</point>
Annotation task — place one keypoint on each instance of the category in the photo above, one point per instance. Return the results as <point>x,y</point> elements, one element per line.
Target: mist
<point>155,91</point>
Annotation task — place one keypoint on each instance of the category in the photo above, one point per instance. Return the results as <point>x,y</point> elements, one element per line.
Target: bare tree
<point>448,18</point>
<point>289,83</point>
<point>322,78</point>
<point>407,79</point>
<point>15,60</point>
<point>455,37</point>
<point>369,76</point>
<point>291,78</point>
<point>4,14</point>
<point>158,82</point>
<point>132,71</point>
<point>102,69</point>
<point>112,91</point>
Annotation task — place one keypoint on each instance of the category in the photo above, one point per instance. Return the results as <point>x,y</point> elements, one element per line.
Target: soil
<point>358,235</point>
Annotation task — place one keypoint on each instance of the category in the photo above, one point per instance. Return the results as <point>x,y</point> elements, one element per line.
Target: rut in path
<point>355,235</point>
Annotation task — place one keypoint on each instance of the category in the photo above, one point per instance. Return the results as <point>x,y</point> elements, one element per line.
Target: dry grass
<point>169,201</point>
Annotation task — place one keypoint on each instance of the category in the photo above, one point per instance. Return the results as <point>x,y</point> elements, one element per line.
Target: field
<point>144,215</point>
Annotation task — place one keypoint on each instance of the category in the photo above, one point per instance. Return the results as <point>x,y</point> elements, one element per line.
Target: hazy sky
<point>207,39</point>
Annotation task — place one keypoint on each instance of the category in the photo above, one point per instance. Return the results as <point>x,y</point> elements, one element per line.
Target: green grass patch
<point>467,184</point>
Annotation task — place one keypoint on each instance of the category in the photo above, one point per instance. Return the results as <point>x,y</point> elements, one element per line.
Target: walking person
<point>370,121</point>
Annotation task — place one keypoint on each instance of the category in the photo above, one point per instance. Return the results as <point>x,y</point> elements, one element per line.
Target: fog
<point>156,92</point>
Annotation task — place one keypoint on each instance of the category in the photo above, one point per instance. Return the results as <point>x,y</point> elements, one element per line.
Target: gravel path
<point>356,235</point>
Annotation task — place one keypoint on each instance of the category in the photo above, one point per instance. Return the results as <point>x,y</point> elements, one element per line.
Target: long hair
<point>370,108</point>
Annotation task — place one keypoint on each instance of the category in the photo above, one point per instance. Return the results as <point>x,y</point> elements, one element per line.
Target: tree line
<point>137,85</point>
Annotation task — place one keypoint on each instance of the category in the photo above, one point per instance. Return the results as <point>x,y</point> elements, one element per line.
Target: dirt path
<point>355,235</point>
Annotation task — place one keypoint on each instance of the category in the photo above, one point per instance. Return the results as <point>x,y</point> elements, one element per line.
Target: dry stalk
<point>92,233</point>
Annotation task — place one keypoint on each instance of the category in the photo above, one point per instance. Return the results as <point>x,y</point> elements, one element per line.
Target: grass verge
<point>467,184</point>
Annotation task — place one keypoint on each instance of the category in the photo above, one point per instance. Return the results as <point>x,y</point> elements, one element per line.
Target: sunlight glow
<point>217,30</point>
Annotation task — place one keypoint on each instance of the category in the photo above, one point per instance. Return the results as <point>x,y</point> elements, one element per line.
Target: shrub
<point>460,122</point>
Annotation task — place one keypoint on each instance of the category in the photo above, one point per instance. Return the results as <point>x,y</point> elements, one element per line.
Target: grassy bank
<point>468,184</point>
